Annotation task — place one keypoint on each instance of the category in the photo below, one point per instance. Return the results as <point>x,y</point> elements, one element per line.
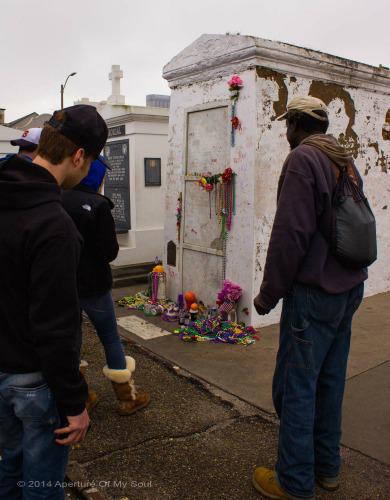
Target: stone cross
<point>115,77</point>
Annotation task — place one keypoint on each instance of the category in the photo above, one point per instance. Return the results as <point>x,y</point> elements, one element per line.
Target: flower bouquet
<point>228,297</point>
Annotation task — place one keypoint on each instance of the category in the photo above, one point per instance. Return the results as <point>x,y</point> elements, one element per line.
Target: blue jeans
<point>32,465</point>
<point>101,312</point>
<point>308,385</point>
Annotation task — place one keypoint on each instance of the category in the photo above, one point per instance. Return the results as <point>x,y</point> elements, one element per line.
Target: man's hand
<point>76,430</point>
<point>259,306</point>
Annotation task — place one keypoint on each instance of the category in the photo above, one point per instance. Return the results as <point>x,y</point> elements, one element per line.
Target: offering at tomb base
<point>190,298</point>
<point>217,330</point>
<point>158,269</point>
<point>158,284</point>
<point>194,312</point>
<point>227,298</point>
<point>140,301</point>
<point>171,315</point>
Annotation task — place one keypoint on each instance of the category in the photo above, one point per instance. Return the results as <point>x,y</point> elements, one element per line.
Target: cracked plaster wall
<point>241,158</point>
<point>360,119</point>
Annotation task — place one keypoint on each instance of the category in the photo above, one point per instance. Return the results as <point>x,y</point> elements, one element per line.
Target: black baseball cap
<point>82,125</point>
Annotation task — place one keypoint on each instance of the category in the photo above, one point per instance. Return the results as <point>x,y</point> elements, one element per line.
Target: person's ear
<point>78,157</point>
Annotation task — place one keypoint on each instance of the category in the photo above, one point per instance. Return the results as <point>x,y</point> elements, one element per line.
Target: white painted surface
<point>7,134</point>
<point>147,135</point>
<point>115,77</point>
<point>141,328</point>
<point>358,97</point>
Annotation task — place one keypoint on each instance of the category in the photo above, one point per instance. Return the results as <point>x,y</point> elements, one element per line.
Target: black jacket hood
<point>88,189</point>
<point>25,185</point>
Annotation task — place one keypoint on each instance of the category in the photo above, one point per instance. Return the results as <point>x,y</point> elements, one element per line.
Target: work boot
<point>328,483</point>
<point>129,400</point>
<point>266,483</point>
<point>93,398</point>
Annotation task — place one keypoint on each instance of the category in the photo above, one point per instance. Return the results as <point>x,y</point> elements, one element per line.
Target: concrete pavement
<point>246,372</point>
<point>193,441</point>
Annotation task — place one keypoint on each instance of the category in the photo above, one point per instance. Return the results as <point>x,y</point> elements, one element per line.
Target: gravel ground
<point>189,443</point>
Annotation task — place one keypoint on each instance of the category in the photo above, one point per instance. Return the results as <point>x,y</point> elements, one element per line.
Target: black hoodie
<point>91,213</point>
<point>39,310</point>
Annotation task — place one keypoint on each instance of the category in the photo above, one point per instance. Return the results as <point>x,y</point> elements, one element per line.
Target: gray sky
<point>42,41</point>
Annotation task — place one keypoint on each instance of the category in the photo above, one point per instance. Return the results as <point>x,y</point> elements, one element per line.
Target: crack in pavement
<point>182,437</point>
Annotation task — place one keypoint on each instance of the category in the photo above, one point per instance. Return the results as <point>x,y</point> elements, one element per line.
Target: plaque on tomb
<point>152,171</point>
<point>117,131</point>
<point>116,185</point>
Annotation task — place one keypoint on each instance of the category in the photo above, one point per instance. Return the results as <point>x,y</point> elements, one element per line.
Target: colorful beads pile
<point>139,301</point>
<point>216,330</point>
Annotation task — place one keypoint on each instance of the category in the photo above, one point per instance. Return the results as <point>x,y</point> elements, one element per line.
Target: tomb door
<point>202,250</point>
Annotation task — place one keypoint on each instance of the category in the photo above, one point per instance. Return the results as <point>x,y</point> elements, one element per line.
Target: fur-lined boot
<point>93,398</point>
<point>129,400</point>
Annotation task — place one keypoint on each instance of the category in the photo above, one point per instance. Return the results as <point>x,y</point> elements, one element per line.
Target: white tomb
<point>358,97</point>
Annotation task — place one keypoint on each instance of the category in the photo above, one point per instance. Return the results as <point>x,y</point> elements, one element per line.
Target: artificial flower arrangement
<point>228,298</point>
<point>235,85</point>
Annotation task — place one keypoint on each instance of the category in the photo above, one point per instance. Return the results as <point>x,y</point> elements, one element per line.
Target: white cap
<point>30,137</point>
<point>306,104</point>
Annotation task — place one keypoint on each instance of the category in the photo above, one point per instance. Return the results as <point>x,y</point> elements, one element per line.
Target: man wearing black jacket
<point>320,296</point>
<point>42,394</point>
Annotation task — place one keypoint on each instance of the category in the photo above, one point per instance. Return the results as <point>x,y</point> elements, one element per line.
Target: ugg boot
<point>129,400</point>
<point>93,398</point>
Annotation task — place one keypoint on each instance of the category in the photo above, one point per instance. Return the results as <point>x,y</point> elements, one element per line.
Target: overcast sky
<point>42,41</point>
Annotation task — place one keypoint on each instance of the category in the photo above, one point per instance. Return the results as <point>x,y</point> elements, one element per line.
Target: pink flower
<point>235,82</point>
<point>230,292</point>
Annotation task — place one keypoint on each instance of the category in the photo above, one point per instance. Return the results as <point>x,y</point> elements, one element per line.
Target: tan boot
<point>93,398</point>
<point>129,400</point>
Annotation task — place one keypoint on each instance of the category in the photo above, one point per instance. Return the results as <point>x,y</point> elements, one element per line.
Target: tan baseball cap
<point>308,105</point>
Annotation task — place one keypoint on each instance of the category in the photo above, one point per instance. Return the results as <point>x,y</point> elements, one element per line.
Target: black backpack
<point>354,228</point>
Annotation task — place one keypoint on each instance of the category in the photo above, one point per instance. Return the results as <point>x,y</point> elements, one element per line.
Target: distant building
<point>29,121</point>
<point>137,148</point>
<point>7,134</point>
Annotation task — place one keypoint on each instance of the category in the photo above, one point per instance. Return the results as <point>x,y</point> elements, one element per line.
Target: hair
<point>53,146</point>
<point>309,123</point>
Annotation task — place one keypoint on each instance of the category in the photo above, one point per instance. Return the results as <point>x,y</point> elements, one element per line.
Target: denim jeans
<point>32,466</point>
<point>101,312</point>
<point>308,385</point>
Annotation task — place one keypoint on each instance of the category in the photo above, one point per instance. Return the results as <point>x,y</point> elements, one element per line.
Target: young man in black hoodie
<point>320,296</point>
<point>42,394</point>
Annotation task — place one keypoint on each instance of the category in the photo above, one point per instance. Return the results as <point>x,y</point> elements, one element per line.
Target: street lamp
<point>63,88</point>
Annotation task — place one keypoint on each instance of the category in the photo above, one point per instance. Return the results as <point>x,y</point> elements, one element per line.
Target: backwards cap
<point>82,125</point>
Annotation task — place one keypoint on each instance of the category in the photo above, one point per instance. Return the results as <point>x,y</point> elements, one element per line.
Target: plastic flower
<point>230,292</point>
<point>235,122</point>
<point>235,82</point>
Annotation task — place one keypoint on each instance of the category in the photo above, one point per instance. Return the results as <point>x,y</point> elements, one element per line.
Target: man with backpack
<point>322,239</point>
<point>42,393</point>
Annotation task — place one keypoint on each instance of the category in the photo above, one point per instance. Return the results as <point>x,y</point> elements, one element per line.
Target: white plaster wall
<point>372,157</point>
<point>6,135</point>
<point>6,148</point>
<point>242,161</point>
<point>145,240</point>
